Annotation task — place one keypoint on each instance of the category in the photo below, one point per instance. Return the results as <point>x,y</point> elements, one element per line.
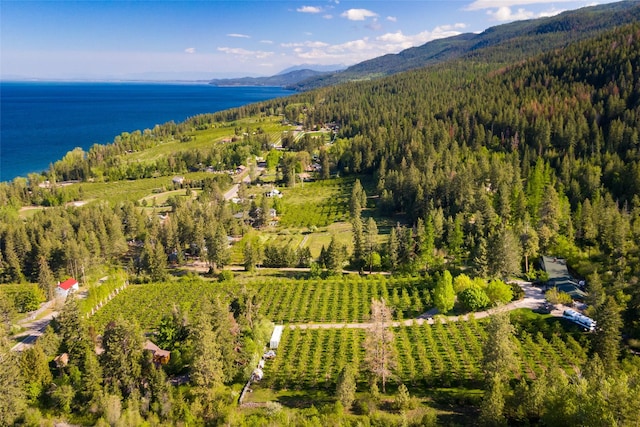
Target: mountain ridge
<point>499,44</point>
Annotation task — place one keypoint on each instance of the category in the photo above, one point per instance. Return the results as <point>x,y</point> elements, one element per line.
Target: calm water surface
<point>41,122</point>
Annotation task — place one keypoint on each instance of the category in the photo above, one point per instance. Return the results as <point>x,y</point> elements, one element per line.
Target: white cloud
<point>244,53</point>
<point>365,48</point>
<point>505,13</point>
<point>496,4</point>
<point>190,50</point>
<point>309,9</point>
<point>266,41</point>
<point>395,42</point>
<point>358,14</point>
<point>552,12</point>
<point>327,16</point>
<point>312,44</point>
<point>392,19</point>
<point>239,36</point>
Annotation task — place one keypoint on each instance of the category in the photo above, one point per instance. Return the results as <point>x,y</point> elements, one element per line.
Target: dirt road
<point>533,298</point>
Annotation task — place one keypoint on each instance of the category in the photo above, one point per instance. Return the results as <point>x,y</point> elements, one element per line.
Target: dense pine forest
<point>452,178</point>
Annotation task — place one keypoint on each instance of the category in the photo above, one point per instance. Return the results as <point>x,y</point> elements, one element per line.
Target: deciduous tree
<point>380,356</point>
<point>444,297</point>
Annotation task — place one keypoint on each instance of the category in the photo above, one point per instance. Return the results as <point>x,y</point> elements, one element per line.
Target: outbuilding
<point>160,356</point>
<point>274,342</point>
<point>64,288</point>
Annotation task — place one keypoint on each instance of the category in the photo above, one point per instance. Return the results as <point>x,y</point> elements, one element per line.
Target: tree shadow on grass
<point>305,399</point>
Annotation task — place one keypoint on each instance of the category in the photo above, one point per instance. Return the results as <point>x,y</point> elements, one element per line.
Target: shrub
<point>554,296</point>
<point>225,276</point>
<point>474,299</point>
<point>518,292</point>
<point>499,292</point>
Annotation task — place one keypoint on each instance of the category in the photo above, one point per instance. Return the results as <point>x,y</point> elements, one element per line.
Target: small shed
<point>160,356</point>
<point>61,360</point>
<point>64,288</point>
<point>275,336</point>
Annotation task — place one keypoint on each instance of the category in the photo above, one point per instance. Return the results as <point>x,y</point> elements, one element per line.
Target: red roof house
<point>67,286</point>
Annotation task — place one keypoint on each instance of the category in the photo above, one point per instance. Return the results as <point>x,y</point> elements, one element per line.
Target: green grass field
<point>316,204</point>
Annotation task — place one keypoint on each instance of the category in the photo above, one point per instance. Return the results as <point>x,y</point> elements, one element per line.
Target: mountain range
<point>501,44</point>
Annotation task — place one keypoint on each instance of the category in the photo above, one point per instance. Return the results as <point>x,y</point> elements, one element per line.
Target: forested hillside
<point>462,167</point>
<point>501,44</point>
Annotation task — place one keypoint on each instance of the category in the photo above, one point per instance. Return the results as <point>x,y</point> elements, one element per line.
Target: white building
<point>275,336</point>
<point>63,289</point>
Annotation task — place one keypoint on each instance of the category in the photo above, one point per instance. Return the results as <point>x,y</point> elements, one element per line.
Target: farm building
<point>160,356</point>
<point>275,337</point>
<point>63,289</point>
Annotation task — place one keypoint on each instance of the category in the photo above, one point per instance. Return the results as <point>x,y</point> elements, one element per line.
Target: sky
<point>183,39</point>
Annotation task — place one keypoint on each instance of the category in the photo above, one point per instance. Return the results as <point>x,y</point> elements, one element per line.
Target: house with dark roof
<point>561,279</point>
<point>64,288</point>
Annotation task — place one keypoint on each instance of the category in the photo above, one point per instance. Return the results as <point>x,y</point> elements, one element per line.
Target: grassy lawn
<point>208,137</point>
<point>341,231</point>
<point>316,204</point>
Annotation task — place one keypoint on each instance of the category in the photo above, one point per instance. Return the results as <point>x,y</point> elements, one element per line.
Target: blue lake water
<point>40,122</point>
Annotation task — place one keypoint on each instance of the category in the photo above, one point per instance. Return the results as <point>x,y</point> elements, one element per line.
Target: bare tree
<point>380,356</point>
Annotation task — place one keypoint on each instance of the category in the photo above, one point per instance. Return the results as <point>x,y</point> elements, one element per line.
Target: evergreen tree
<point>426,241</point>
<point>206,370</point>
<point>46,280</point>
<point>358,199</point>
<point>529,242</point>
<point>370,241</point>
<point>493,402</point>
<point>346,387</point>
<point>218,248</point>
<point>121,360</point>
<point>251,253</point>
<point>359,248</point>
<point>481,259</point>
<point>335,256</point>
<point>606,339</point>
<point>13,393</point>
<point>506,253</point>
<point>402,401</point>
<point>596,296</point>
<point>34,368</point>
<point>455,237</point>
<point>393,249</point>
<point>325,171</point>
<point>499,351</point>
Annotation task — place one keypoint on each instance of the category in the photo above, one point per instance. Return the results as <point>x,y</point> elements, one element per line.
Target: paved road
<point>233,191</point>
<point>533,298</point>
<point>34,329</point>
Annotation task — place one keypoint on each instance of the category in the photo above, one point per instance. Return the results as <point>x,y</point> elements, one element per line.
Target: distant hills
<point>501,44</point>
<point>284,79</point>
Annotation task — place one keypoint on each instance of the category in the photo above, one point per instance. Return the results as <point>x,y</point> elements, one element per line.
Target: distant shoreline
<point>43,120</point>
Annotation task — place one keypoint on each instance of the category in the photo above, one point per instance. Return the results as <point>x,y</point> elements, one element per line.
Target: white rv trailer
<point>580,319</point>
